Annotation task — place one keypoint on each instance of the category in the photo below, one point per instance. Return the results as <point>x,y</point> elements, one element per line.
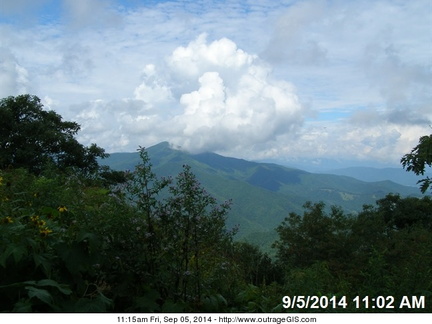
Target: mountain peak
<point>161,145</point>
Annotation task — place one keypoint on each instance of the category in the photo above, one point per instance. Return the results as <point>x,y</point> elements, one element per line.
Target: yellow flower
<point>34,219</point>
<point>45,231</point>
<point>62,209</point>
<point>7,220</point>
<point>41,223</point>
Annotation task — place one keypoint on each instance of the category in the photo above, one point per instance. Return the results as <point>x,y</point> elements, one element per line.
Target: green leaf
<point>214,303</point>
<point>19,284</point>
<point>41,294</point>
<point>64,289</point>
<point>23,306</point>
<point>75,258</point>
<point>16,251</point>
<point>93,305</point>
<point>41,260</point>
<point>49,211</point>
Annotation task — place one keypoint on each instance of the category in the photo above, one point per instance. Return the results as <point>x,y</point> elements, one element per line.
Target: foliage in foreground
<point>74,244</point>
<point>419,160</point>
<point>386,250</point>
<point>69,244</point>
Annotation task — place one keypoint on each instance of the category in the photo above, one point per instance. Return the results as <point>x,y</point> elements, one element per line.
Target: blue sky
<point>281,80</point>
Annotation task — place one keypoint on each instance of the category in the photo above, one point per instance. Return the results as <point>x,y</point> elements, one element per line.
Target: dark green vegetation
<point>32,138</point>
<point>419,159</point>
<point>133,241</point>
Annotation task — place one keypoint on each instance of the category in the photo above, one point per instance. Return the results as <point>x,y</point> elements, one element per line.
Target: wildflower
<point>62,209</point>
<point>34,219</point>
<point>44,231</point>
<point>7,220</point>
<point>41,223</point>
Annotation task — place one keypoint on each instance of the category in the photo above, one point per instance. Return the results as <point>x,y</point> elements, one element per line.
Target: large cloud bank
<point>208,96</point>
<point>255,79</point>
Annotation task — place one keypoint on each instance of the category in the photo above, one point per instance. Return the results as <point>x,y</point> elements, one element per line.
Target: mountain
<point>327,165</point>
<point>262,193</point>
<point>369,174</point>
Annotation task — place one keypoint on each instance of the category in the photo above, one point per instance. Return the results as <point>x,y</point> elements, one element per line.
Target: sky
<point>285,81</point>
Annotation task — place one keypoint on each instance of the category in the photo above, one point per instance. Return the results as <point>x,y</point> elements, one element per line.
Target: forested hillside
<point>262,194</point>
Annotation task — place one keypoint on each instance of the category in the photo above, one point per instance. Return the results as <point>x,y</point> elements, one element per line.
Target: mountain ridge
<point>371,174</point>
<point>263,194</point>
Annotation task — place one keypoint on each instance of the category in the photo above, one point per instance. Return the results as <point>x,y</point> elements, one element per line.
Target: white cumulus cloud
<point>236,103</point>
<point>229,102</point>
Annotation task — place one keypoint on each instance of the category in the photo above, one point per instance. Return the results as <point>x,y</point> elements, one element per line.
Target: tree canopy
<point>384,250</point>
<point>32,137</point>
<point>418,159</point>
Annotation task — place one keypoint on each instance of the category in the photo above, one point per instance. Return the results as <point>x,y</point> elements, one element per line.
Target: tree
<point>394,243</point>
<point>32,138</point>
<point>385,250</point>
<point>193,227</point>
<point>418,159</point>
<point>315,236</point>
<point>182,246</point>
<point>255,267</point>
<point>399,213</point>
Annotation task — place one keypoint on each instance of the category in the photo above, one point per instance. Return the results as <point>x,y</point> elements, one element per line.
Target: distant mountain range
<point>263,193</point>
<point>369,174</point>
